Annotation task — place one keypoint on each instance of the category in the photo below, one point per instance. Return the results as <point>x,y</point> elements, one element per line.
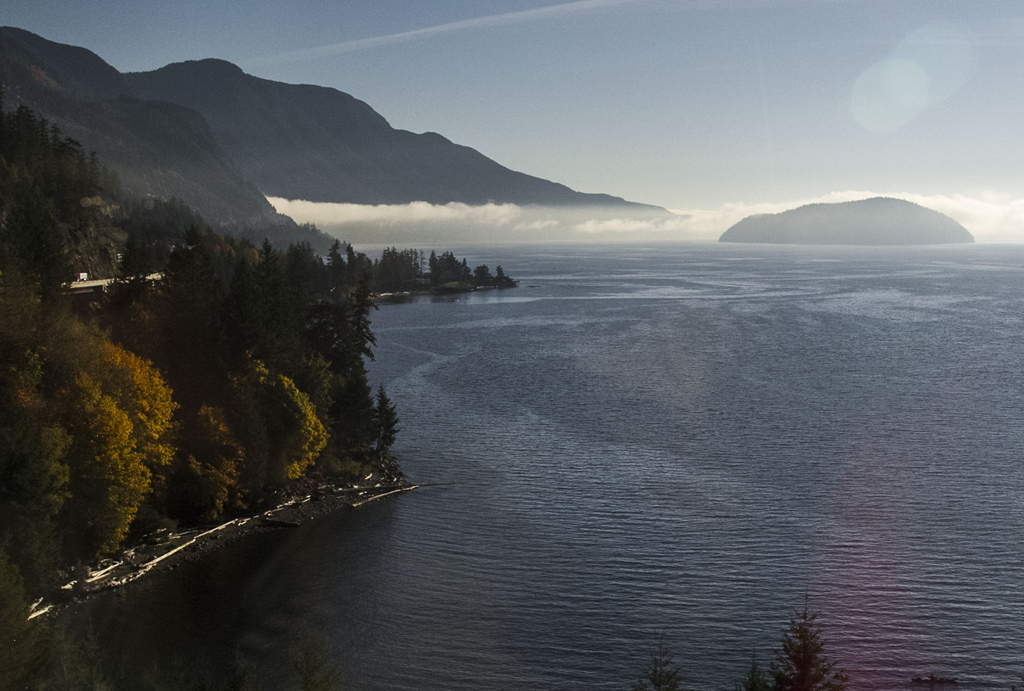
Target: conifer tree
<point>756,679</point>
<point>662,675</point>
<point>19,639</point>
<point>385,421</point>
<point>801,664</point>
<point>336,270</point>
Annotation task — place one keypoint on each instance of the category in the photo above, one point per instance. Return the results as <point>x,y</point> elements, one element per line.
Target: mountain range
<point>300,141</point>
<point>156,148</point>
<point>223,140</point>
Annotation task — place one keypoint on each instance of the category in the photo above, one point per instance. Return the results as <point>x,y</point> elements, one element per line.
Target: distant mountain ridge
<point>220,139</point>
<point>875,221</point>
<point>321,144</point>
<point>156,148</point>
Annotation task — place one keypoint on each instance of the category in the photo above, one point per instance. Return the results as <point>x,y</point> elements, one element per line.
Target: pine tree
<point>435,279</point>
<point>19,639</point>
<point>482,276</point>
<point>662,675</point>
<point>361,337</point>
<point>336,270</point>
<point>801,664</point>
<point>756,679</point>
<point>385,421</point>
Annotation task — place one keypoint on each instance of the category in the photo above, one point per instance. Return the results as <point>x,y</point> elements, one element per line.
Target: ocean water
<point>681,444</point>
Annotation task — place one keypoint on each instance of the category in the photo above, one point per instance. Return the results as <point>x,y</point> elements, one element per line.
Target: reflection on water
<point>679,440</point>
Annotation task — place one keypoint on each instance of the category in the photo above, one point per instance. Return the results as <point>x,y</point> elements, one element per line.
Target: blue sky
<point>684,104</point>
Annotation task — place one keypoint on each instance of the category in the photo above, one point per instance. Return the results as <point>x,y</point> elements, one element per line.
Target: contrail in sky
<point>475,23</point>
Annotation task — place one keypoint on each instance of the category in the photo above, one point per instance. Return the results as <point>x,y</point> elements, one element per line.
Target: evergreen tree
<point>482,276</point>
<point>361,336</point>
<point>352,413</point>
<point>662,675</point>
<point>33,445</point>
<point>357,265</point>
<point>51,220</point>
<point>190,314</point>
<point>336,270</point>
<point>241,311</point>
<point>271,313</point>
<point>756,679</point>
<point>501,279</point>
<point>396,270</point>
<point>801,664</point>
<point>385,421</point>
<point>35,232</point>
<point>353,398</point>
<point>19,638</point>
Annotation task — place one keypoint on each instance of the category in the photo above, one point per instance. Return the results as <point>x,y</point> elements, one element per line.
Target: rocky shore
<point>164,550</point>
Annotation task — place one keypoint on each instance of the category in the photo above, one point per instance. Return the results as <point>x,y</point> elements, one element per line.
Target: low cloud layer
<point>990,218</point>
<point>422,224</point>
<point>396,215</point>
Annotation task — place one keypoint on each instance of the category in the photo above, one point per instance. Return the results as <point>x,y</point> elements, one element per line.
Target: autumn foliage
<point>181,399</point>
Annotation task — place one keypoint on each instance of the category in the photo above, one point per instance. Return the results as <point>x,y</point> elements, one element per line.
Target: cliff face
<point>876,221</point>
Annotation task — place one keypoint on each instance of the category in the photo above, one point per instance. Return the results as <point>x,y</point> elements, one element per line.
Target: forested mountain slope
<point>156,148</point>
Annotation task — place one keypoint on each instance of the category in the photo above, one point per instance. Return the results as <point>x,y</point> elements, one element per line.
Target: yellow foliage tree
<point>109,479</point>
<point>295,436</point>
<point>307,436</point>
<point>141,392</point>
<point>119,415</point>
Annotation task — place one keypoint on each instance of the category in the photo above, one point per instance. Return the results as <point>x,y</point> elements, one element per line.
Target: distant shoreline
<point>402,296</point>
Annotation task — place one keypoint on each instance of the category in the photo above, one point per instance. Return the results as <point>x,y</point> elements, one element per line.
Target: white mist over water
<point>457,223</point>
<point>990,217</point>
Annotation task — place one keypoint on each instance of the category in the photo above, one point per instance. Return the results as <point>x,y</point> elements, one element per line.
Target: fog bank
<point>421,224</point>
<point>989,217</point>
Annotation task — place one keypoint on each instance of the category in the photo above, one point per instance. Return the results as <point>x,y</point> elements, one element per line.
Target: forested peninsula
<point>208,378</point>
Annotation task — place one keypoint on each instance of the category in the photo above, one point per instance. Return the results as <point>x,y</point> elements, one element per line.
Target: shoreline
<point>441,291</point>
<point>164,550</point>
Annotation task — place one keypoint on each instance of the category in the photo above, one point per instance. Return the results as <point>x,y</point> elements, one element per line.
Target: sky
<point>711,108</point>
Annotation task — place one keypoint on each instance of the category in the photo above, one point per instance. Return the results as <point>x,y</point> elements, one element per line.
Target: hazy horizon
<point>709,109</point>
<point>991,220</point>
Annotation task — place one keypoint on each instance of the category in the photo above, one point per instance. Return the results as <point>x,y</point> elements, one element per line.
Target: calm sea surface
<point>676,441</point>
